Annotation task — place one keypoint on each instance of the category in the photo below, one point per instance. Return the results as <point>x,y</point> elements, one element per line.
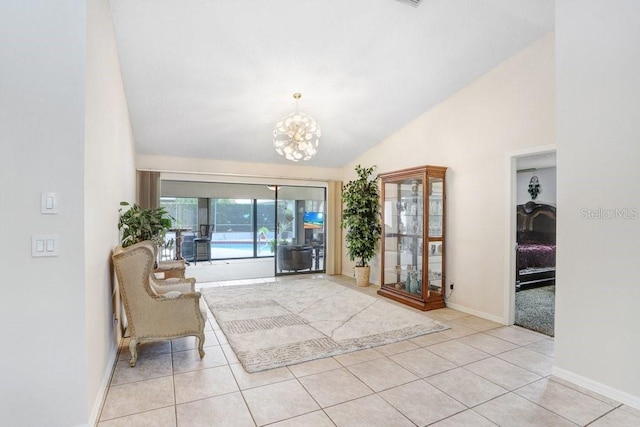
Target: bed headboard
<point>536,222</point>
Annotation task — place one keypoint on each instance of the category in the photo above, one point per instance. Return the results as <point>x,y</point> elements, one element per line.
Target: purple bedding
<point>536,255</point>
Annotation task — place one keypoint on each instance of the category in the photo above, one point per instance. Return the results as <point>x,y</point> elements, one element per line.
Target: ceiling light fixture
<point>297,135</point>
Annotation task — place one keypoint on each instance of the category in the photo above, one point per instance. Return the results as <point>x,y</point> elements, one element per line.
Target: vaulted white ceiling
<point>209,78</point>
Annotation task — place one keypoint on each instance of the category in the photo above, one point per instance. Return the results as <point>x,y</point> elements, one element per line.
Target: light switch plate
<point>49,203</point>
<point>45,245</point>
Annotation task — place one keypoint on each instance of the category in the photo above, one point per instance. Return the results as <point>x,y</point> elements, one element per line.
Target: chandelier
<point>297,135</point>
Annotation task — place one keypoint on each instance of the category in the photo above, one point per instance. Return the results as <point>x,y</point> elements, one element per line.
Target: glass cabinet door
<point>436,229</point>
<point>436,211</point>
<point>404,223</point>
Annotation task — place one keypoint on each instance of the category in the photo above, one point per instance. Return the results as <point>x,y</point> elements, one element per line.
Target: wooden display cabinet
<point>413,244</point>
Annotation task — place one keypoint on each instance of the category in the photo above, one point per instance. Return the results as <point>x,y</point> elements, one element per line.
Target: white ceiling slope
<point>209,78</point>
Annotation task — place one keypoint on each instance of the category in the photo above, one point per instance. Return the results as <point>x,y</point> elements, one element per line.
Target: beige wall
<point>108,179</point>
<point>184,168</point>
<point>598,320</point>
<point>507,109</point>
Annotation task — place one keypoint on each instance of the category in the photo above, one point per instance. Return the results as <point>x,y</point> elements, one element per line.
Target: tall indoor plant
<point>138,224</point>
<point>361,220</point>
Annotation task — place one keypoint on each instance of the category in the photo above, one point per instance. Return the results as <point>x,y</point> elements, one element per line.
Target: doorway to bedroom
<point>533,282</point>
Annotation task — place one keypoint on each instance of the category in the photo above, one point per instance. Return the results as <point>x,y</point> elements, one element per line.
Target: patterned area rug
<point>270,325</point>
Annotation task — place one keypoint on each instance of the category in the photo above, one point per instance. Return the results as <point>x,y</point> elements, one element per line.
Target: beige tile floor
<point>478,373</point>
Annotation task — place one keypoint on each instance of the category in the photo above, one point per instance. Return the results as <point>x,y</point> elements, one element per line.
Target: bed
<point>536,245</point>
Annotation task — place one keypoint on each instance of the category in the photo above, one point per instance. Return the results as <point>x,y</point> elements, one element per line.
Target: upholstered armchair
<point>156,309</point>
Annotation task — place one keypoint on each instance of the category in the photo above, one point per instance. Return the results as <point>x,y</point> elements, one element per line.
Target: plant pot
<point>362,276</point>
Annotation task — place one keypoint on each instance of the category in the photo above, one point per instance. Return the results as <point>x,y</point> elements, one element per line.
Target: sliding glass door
<point>249,221</point>
<point>300,229</point>
<point>265,227</point>
<point>233,228</point>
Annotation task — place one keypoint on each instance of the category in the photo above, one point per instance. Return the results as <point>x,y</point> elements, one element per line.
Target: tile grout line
<point>518,346</point>
<point>173,381</point>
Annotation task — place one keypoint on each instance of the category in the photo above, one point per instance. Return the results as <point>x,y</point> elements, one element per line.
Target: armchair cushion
<point>172,294</point>
<point>161,286</point>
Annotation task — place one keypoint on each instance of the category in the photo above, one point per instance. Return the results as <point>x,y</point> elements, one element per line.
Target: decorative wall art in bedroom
<point>534,187</point>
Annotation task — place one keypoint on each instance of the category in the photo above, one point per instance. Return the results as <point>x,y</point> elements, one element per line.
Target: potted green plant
<point>262,233</point>
<point>137,224</point>
<point>361,220</point>
<point>273,245</point>
<point>286,224</point>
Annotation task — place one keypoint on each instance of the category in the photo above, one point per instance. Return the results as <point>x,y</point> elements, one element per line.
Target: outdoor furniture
<point>204,237</point>
<point>179,231</point>
<point>171,269</point>
<point>295,258</point>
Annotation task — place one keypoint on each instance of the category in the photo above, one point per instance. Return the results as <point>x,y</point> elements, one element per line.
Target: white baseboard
<point>477,313</point>
<point>597,387</point>
<point>104,385</point>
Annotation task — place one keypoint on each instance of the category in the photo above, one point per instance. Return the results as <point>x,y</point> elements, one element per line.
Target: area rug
<point>535,309</point>
<point>270,325</point>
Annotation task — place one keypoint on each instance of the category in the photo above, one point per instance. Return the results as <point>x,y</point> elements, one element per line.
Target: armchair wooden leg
<point>201,345</point>
<point>133,349</point>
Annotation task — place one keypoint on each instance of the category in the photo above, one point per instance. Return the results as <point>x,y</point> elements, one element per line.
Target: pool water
<point>221,250</point>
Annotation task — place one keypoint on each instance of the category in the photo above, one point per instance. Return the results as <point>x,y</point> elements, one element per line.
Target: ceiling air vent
<point>414,3</point>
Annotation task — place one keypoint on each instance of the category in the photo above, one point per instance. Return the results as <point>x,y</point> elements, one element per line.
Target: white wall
<point>42,309</point>
<point>109,178</point>
<point>509,108</point>
<point>598,321</point>
<point>57,311</point>
<point>547,180</point>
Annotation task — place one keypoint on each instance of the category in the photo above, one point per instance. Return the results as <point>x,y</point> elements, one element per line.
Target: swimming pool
<point>221,250</point>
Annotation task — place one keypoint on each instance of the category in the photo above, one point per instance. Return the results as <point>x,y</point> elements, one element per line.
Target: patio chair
<point>204,237</point>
